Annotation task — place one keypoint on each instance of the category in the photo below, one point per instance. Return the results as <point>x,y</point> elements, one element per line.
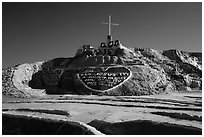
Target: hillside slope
<point>151,72</point>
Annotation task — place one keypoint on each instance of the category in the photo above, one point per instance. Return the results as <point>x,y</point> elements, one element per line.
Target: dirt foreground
<point>174,113</point>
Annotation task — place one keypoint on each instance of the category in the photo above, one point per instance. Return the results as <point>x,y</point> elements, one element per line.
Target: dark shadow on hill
<point>37,81</point>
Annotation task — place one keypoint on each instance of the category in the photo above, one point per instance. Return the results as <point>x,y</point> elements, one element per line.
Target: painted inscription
<point>110,48</point>
<point>99,79</point>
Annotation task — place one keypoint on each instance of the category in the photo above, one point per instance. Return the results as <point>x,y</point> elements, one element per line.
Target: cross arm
<point>109,23</point>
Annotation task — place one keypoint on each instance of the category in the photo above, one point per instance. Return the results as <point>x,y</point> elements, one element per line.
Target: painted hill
<point>136,71</point>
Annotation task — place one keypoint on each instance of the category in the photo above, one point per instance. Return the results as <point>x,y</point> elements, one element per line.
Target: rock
<point>187,62</point>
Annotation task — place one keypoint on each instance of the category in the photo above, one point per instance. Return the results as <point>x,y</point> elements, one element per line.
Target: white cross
<point>109,24</point>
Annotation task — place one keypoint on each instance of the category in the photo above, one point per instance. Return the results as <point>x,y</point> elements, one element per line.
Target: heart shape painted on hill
<point>98,79</point>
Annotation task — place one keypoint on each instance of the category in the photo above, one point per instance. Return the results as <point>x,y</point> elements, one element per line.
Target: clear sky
<point>34,32</point>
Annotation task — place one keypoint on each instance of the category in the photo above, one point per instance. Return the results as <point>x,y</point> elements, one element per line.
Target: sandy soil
<point>110,114</point>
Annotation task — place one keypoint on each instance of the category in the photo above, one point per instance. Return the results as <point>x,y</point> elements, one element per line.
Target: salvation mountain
<point>109,70</point>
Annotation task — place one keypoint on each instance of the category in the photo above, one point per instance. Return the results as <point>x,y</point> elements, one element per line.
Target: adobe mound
<point>15,80</point>
<point>25,125</point>
<point>152,72</point>
<point>143,127</point>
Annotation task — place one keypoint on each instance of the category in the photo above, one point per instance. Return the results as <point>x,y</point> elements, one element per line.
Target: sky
<point>33,32</point>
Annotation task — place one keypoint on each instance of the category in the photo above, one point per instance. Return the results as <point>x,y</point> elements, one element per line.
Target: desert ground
<point>173,113</point>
